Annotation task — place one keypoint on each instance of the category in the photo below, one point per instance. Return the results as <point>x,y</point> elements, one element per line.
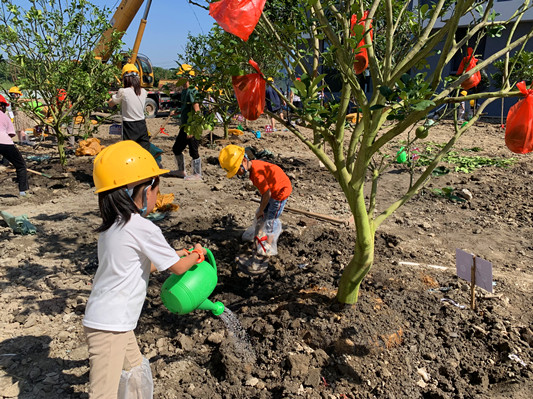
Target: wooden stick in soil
<point>473,285</point>
<point>162,127</point>
<point>39,173</point>
<point>312,214</point>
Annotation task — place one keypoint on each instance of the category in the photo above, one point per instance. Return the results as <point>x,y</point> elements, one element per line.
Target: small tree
<point>218,56</point>
<point>406,89</point>
<point>51,44</point>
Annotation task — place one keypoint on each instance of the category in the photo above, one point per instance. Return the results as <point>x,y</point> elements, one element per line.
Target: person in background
<point>273,103</point>
<point>462,108</point>
<point>273,185</point>
<point>131,99</point>
<point>189,106</point>
<point>295,100</point>
<point>8,149</point>
<point>130,247</point>
<point>15,95</point>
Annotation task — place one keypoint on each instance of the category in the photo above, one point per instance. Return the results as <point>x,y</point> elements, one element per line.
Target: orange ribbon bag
<point>250,92</point>
<point>519,130</point>
<point>238,17</point>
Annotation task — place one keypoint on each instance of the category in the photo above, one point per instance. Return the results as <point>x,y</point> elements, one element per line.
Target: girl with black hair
<point>131,99</point>
<point>130,247</point>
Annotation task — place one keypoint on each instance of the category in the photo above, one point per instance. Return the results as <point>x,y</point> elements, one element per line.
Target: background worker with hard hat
<point>273,185</point>
<point>130,247</point>
<point>462,108</point>
<point>189,105</point>
<point>131,99</point>
<point>15,96</point>
<point>8,149</point>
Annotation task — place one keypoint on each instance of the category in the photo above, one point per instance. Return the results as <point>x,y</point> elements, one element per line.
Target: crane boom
<point>120,22</point>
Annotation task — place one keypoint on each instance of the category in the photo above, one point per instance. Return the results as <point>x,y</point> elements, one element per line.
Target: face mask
<point>144,209</point>
<point>244,174</point>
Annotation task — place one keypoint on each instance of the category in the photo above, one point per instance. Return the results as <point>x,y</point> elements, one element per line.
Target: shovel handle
<point>39,173</point>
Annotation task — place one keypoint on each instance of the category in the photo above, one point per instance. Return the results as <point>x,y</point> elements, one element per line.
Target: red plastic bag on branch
<point>519,130</point>
<point>238,17</point>
<point>467,63</point>
<point>361,58</point>
<point>250,93</point>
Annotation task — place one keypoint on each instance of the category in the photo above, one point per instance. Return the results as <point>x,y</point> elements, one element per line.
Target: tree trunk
<point>61,147</point>
<point>357,268</point>
<point>226,133</point>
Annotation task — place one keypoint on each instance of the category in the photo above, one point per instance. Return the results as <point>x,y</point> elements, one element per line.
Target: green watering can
<point>184,293</point>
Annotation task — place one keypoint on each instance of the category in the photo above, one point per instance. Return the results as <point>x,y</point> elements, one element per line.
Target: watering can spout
<point>217,308</point>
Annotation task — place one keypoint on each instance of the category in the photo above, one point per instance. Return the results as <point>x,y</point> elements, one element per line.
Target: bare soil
<point>399,341</point>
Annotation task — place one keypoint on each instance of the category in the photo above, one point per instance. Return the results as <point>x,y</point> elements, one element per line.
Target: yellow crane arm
<point>120,22</point>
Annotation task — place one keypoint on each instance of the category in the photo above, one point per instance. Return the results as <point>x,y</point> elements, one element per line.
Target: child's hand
<point>198,246</point>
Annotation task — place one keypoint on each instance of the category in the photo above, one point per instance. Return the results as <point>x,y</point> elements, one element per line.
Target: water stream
<point>241,340</point>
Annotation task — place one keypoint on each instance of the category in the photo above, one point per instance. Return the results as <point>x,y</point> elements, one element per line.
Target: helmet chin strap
<point>246,171</point>
<point>144,209</point>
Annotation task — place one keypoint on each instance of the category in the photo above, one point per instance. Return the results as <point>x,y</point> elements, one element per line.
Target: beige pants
<point>109,353</point>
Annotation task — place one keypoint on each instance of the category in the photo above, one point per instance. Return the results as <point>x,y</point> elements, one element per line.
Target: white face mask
<point>144,208</point>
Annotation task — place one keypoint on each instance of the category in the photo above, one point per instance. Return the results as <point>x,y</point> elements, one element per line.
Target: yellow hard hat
<point>129,68</point>
<point>15,90</point>
<point>230,158</point>
<point>464,92</point>
<point>186,69</point>
<point>123,163</point>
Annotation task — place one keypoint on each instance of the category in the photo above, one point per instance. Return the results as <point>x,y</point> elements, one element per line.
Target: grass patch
<point>461,161</point>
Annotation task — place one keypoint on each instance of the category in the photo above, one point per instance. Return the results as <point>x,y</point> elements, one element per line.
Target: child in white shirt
<point>130,247</point>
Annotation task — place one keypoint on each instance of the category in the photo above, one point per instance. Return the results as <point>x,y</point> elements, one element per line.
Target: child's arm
<point>264,202</point>
<point>187,261</point>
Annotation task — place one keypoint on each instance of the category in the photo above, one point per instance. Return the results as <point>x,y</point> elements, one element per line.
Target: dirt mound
<point>400,341</point>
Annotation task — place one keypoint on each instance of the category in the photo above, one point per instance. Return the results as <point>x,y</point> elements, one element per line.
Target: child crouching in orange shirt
<point>273,185</point>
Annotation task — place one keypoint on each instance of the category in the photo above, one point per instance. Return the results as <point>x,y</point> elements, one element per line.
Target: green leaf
<point>386,92</point>
<point>300,86</point>
<point>422,105</point>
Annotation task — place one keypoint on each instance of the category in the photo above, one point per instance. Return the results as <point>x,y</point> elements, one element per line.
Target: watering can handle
<point>210,258</point>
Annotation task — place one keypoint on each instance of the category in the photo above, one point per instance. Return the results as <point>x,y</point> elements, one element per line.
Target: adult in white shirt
<point>131,99</point>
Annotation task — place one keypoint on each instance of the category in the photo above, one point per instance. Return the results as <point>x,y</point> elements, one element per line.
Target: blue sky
<point>168,24</point>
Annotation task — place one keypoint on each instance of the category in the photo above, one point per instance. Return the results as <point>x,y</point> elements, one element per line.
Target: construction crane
<point>121,20</point>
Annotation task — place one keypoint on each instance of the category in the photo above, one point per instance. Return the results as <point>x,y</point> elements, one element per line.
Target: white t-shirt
<point>125,254</point>
<point>132,105</point>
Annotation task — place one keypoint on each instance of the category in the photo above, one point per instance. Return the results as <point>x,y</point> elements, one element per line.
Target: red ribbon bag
<point>361,58</point>
<point>238,17</point>
<point>470,61</point>
<point>250,92</point>
<point>519,130</point>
